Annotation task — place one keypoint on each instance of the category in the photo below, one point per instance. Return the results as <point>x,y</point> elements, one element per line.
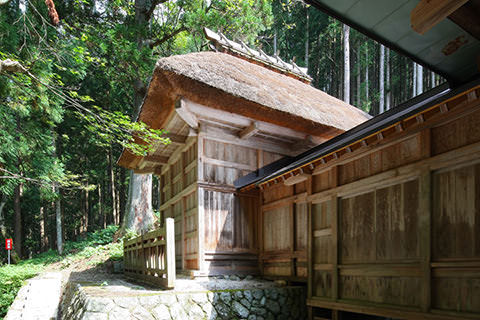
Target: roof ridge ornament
<point>240,49</point>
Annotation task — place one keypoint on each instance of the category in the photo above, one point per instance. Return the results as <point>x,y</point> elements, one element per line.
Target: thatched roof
<point>262,86</point>
<point>240,49</point>
<point>225,82</point>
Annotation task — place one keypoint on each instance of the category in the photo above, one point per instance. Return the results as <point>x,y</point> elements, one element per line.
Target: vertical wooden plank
<point>260,162</point>
<point>425,225</point>
<point>335,245</point>
<point>426,143</point>
<point>184,226</point>
<point>309,245</point>
<point>200,147</point>
<point>260,232</point>
<point>143,257</point>
<point>201,229</point>
<point>201,202</point>
<point>170,252</point>
<point>292,236</point>
<point>335,224</point>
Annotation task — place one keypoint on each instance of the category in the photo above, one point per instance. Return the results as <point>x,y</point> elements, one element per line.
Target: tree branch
<point>150,11</point>
<point>158,42</point>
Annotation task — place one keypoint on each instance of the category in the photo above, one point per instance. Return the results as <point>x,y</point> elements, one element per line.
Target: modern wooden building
<point>228,113</point>
<point>389,211</point>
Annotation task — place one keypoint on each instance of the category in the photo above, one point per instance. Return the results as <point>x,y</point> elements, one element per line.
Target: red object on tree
<point>8,244</point>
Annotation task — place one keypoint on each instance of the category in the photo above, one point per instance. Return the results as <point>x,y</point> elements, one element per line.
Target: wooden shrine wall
<point>179,198</point>
<point>394,227</point>
<point>230,218</point>
<point>283,221</point>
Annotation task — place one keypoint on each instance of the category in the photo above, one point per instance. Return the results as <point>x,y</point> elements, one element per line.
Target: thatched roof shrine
<point>245,86</point>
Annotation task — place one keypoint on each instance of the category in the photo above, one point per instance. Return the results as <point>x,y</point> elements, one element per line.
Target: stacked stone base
<point>81,302</point>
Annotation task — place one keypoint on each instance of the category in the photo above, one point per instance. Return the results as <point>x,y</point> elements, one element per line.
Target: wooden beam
<point>218,134</point>
<point>146,170</point>
<point>183,112</point>
<point>156,159</point>
<point>249,131</point>
<point>176,138</point>
<point>296,179</point>
<point>428,13</point>
<point>236,120</point>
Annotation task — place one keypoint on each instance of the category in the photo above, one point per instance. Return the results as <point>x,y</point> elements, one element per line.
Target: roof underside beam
<point>428,13</point>
<point>249,131</point>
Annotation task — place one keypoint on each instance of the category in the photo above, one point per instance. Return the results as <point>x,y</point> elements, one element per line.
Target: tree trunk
<point>381,80</point>
<point>346,63</point>
<point>358,78</point>
<point>101,217</point>
<point>58,209</point>
<point>112,187</point>
<point>86,212</point>
<point>366,73</point>
<point>307,37</point>
<point>122,200</point>
<point>42,229</point>
<point>3,228</point>
<point>18,236</point>
<point>58,221</point>
<point>388,97</point>
<point>139,213</point>
<point>275,53</point>
<point>419,79</point>
<point>117,196</point>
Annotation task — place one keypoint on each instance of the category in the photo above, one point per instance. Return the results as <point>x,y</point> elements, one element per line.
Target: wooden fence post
<point>170,251</point>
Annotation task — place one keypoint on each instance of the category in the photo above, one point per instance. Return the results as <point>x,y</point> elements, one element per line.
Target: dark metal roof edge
<point>396,114</point>
<point>259,174</point>
<point>385,42</point>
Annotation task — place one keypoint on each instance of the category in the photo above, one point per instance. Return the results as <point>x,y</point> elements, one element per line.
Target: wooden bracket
<point>428,13</point>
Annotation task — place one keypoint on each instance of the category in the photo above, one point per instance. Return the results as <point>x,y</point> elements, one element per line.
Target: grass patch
<point>99,242</point>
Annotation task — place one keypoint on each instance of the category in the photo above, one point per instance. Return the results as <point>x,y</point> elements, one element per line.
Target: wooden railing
<point>151,257</point>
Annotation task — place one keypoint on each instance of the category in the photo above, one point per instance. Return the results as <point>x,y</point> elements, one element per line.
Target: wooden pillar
<point>292,236</point>
<point>335,241</point>
<point>184,206</point>
<point>201,205</point>
<point>425,222</point>
<point>309,247</point>
<point>260,233</point>
<point>170,252</point>
<point>425,217</point>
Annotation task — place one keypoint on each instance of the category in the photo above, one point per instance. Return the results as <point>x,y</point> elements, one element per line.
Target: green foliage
<point>12,279</point>
<point>97,243</point>
<point>130,234</point>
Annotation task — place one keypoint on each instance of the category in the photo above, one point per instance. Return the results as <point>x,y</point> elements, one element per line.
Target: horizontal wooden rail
<point>151,257</point>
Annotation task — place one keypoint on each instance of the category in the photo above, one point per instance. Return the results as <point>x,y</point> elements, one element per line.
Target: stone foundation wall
<point>82,302</point>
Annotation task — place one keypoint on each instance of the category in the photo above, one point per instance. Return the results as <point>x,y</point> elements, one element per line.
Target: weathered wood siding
<point>178,182</point>
<point>230,219</point>
<point>283,221</point>
<point>394,227</point>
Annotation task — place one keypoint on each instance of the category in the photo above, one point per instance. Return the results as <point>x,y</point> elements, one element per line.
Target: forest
<point>73,75</point>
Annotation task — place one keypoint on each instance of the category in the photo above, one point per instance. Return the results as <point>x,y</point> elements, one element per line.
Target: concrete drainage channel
<point>85,302</point>
<point>38,298</point>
